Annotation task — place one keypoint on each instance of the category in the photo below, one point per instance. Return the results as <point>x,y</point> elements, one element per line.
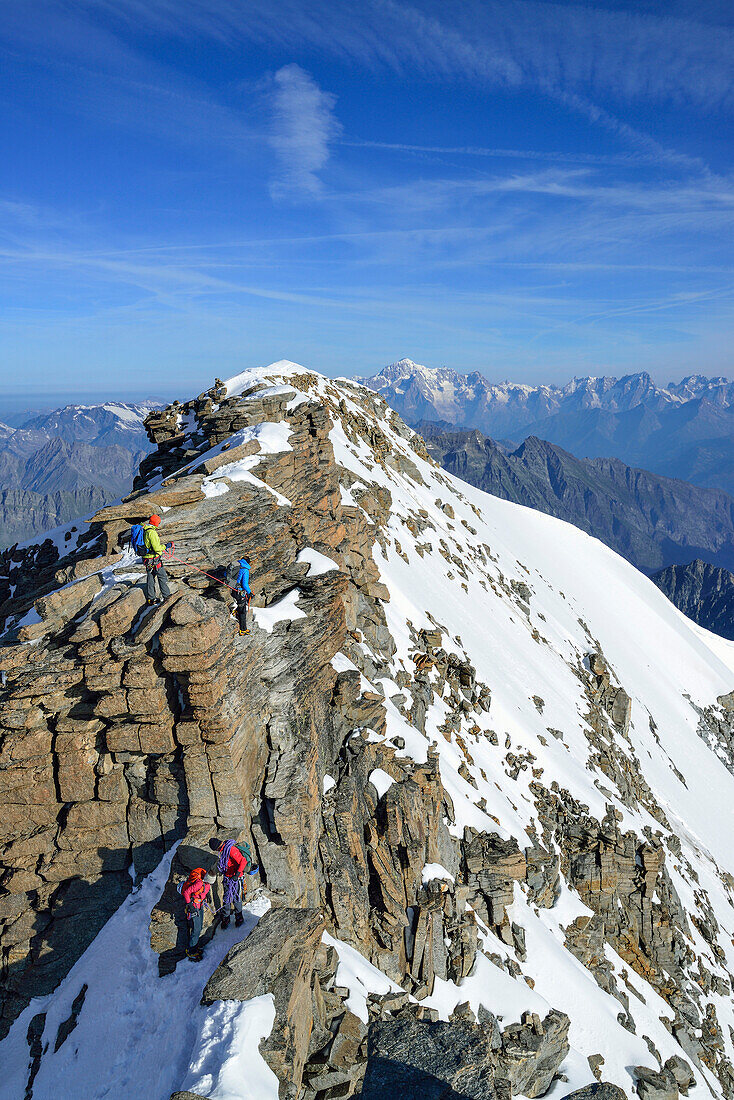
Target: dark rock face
<point>598,1091</point>
<point>652,521</point>
<point>416,1056</point>
<point>703,592</point>
<point>416,1059</point>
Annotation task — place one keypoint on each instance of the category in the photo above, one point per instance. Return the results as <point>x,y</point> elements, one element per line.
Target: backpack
<point>195,876</point>
<point>137,538</point>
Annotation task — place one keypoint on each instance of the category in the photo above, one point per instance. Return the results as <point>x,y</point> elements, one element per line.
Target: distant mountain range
<point>652,521</point>
<point>67,462</point>
<point>114,422</point>
<point>702,592</point>
<point>683,430</point>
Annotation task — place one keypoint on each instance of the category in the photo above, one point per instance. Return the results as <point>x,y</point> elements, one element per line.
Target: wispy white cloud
<point>571,47</point>
<point>625,160</point>
<point>304,125</point>
<point>399,246</point>
<point>578,54</point>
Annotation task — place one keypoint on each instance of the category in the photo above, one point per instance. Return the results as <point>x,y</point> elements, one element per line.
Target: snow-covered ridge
<point>458,572</point>
<point>127,415</point>
<point>524,601</point>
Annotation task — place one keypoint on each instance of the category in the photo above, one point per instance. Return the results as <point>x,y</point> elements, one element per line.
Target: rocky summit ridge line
<point>484,765</point>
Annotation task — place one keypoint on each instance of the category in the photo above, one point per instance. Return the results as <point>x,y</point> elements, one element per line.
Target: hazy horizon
<point>22,404</point>
<point>528,188</point>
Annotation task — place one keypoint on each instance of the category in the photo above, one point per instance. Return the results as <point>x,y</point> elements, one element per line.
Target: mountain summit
<point>484,765</point>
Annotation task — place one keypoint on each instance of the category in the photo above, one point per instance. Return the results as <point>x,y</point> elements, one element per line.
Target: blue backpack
<point>137,538</point>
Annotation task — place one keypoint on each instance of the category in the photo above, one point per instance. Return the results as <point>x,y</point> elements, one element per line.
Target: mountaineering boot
<point>239,920</point>
<point>224,922</point>
<point>194,953</point>
<point>244,632</point>
<point>151,603</point>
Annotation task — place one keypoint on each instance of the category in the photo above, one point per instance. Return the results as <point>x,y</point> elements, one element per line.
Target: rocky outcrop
<point>277,958</point>
<point>414,1054</point>
<point>123,727</point>
<point>600,1091</point>
<point>702,590</point>
<point>716,728</point>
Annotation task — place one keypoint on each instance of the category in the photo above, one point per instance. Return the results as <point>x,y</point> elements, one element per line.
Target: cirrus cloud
<point>304,125</point>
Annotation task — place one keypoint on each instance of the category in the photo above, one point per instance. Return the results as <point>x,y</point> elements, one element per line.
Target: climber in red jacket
<point>195,890</point>
<point>232,865</point>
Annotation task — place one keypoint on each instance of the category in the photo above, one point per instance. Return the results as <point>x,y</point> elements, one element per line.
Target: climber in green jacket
<point>154,567</point>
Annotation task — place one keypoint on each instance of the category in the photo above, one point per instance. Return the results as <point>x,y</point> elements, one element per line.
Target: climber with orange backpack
<point>195,890</point>
<point>153,559</point>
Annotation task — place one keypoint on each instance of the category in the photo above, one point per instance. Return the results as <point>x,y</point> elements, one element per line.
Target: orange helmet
<point>155,520</point>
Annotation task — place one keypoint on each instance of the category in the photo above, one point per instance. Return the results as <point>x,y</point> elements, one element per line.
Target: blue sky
<point>526,188</point>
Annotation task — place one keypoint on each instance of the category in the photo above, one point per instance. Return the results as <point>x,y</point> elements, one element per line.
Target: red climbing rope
<point>170,554</point>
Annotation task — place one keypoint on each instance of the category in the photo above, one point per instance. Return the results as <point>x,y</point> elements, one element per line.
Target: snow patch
<point>381,781</point>
<point>318,563</point>
<point>359,976</point>
<point>227,1064</point>
<point>285,610</point>
<point>436,870</point>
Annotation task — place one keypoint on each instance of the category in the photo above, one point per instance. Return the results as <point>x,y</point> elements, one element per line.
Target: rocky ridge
<point>472,813</point>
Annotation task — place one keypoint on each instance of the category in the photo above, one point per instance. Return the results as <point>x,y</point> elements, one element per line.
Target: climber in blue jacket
<point>243,594</point>
<point>243,577</point>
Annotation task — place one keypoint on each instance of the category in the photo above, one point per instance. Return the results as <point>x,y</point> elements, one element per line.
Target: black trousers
<point>242,604</point>
<point>195,918</point>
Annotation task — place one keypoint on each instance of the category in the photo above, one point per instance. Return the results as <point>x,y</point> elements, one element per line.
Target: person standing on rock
<point>232,865</point>
<point>154,567</point>
<point>195,890</point>
<point>239,577</point>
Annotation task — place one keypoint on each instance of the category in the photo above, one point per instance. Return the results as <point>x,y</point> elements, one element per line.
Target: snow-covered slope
<point>537,609</point>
